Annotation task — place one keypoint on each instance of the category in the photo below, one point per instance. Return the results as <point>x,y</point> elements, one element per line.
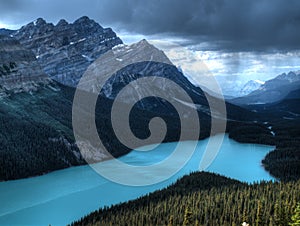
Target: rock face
<point>65,50</point>
<point>19,69</point>
<point>125,64</point>
<point>119,69</point>
<point>272,90</point>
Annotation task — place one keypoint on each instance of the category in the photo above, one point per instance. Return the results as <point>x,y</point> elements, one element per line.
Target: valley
<point>243,152</point>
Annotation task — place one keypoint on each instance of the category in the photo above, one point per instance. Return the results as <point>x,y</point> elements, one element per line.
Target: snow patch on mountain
<point>250,86</point>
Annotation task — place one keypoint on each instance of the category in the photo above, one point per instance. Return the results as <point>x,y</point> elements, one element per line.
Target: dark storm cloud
<point>240,24</point>
<point>229,24</point>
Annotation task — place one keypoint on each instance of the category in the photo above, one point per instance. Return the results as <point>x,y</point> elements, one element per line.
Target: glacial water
<point>63,196</point>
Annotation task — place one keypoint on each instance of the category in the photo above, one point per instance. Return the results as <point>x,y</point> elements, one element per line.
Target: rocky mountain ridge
<point>65,50</point>
<point>281,80</point>
<point>126,65</point>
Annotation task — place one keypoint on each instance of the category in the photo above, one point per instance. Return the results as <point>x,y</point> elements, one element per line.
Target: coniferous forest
<point>210,199</point>
<point>43,121</point>
<point>203,68</point>
<point>201,198</point>
<point>207,199</point>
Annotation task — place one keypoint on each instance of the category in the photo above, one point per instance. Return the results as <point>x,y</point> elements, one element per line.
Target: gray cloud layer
<point>228,24</point>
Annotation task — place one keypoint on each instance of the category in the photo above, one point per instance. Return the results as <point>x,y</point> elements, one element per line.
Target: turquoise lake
<point>63,196</point>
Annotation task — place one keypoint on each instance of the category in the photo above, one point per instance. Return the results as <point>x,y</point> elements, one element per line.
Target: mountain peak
<point>272,90</point>
<point>126,63</point>
<point>85,25</point>
<point>143,41</point>
<point>84,20</point>
<point>144,50</point>
<point>292,76</point>
<point>39,22</point>
<point>62,23</point>
<point>66,50</point>
<point>250,86</point>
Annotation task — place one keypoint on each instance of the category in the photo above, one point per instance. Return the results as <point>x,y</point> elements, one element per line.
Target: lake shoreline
<point>82,190</point>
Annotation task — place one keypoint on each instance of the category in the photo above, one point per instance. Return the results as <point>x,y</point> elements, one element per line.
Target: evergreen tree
<point>278,214</point>
<point>245,217</point>
<point>296,217</point>
<point>188,215</point>
<point>211,200</point>
<point>171,221</point>
<point>258,214</point>
<point>283,215</point>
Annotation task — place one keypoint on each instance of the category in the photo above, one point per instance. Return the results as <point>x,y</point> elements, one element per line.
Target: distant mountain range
<point>272,90</point>
<point>287,108</point>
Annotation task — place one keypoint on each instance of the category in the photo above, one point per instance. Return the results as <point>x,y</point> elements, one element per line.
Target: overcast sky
<point>246,31</point>
<point>233,24</point>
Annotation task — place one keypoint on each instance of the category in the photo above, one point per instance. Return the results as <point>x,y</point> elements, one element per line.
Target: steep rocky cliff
<point>127,63</point>
<point>65,50</point>
<point>19,69</point>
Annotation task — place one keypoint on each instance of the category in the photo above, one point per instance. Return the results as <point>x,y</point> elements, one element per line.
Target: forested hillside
<point>205,199</point>
<point>284,161</point>
<point>36,133</point>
